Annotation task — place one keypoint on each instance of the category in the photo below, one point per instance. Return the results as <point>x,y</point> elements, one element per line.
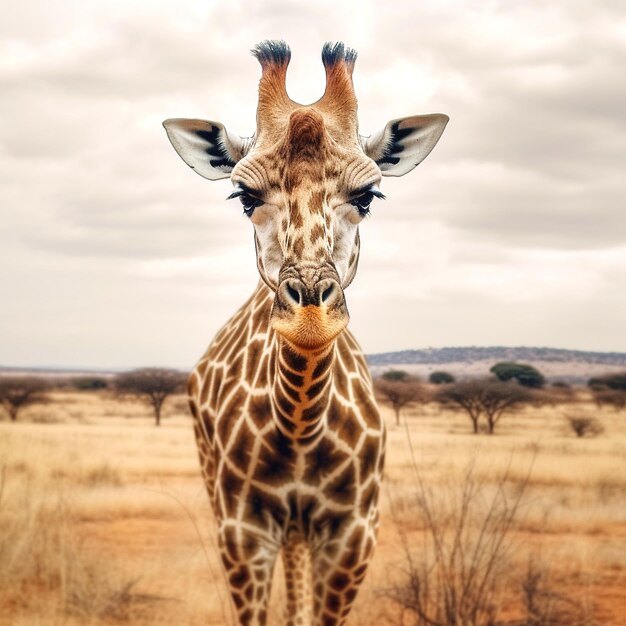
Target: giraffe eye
<point>249,203</point>
<point>362,203</point>
<point>363,198</point>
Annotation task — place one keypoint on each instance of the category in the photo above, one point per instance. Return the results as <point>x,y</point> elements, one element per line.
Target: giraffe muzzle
<point>295,293</point>
<point>309,316</point>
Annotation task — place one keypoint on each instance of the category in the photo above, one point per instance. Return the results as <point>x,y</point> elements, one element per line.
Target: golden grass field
<point>104,518</point>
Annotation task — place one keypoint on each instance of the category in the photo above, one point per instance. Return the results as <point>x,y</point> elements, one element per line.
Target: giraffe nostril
<point>294,294</point>
<point>327,292</point>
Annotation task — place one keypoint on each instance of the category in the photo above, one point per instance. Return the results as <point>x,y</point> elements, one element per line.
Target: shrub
<point>90,383</point>
<point>615,381</point>
<point>458,574</point>
<point>395,375</point>
<point>441,378</point>
<point>544,604</point>
<point>585,426</point>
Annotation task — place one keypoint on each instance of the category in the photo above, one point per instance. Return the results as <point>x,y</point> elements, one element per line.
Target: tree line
<point>484,400</point>
<point>153,385</point>
<point>487,399</point>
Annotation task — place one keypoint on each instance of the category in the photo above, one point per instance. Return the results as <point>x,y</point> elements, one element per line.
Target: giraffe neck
<point>301,388</point>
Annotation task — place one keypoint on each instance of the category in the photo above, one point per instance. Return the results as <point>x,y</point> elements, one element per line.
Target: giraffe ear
<point>404,143</point>
<point>207,147</point>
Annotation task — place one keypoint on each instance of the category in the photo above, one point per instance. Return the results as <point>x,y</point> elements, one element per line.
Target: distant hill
<point>498,353</point>
<point>575,366</point>
<point>568,365</point>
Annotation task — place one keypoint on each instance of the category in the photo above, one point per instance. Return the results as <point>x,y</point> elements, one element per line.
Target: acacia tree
<point>467,395</point>
<point>153,384</point>
<point>399,392</point>
<point>526,375</point>
<point>16,392</point>
<point>484,397</point>
<point>499,398</point>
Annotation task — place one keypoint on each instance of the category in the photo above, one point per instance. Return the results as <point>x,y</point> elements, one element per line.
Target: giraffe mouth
<point>309,327</point>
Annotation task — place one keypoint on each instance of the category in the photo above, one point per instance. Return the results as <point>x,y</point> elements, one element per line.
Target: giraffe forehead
<point>306,136</point>
<point>308,127</point>
<point>303,158</point>
<point>309,168</point>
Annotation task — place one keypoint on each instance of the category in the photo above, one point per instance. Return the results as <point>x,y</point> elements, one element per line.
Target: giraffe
<point>290,440</point>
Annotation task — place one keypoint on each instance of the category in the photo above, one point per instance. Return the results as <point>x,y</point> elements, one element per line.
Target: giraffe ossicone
<point>290,440</point>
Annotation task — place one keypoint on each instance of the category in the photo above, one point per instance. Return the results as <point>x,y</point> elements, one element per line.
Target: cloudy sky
<point>513,231</point>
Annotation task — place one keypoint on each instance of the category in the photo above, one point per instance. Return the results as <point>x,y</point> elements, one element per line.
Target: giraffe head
<point>306,179</point>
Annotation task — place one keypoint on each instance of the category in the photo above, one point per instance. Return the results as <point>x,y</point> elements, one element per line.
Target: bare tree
<point>152,384</point>
<point>464,563</point>
<point>400,392</point>
<point>16,392</point>
<point>545,604</point>
<point>486,397</point>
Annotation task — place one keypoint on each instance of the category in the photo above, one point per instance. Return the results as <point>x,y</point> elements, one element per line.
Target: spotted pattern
<point>269,489</point>
<point>290,440</point>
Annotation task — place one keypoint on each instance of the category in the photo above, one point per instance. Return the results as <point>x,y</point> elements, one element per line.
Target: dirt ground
<point>104,518</point>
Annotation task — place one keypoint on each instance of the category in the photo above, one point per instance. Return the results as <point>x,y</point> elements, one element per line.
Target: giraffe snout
<point>309,314</point>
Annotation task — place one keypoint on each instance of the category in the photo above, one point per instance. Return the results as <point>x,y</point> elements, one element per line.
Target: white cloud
<point>113,253</point>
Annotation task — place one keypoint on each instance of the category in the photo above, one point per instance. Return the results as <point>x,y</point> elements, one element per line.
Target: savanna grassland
<point>104,518</point>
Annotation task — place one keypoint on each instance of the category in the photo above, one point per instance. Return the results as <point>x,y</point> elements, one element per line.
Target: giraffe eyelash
<point>249,202</point>
<point>363,198</point>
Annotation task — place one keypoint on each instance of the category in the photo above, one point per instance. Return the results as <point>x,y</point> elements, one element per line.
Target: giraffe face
<point>305,195</point>
<point>305,180</point>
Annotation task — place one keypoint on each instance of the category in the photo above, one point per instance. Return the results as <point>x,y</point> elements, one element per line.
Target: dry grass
<point>96,497</point>
<point>45,566</point>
